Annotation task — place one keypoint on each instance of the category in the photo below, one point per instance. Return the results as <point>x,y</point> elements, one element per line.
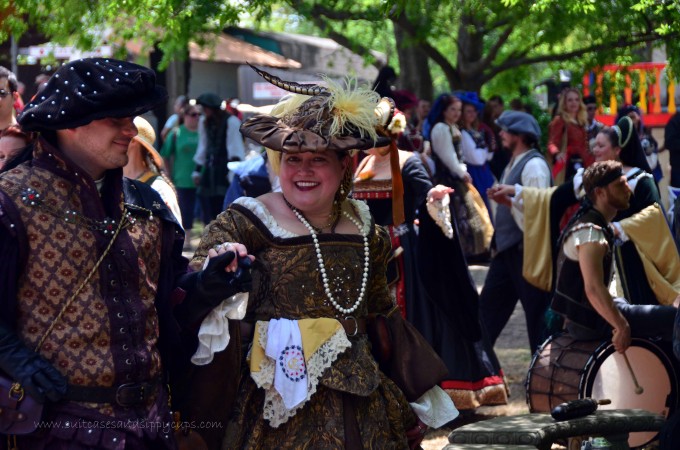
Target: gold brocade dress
<point>287,284</point>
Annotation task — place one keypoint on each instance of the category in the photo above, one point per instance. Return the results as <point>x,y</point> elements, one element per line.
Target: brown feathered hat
<point>319,118</point>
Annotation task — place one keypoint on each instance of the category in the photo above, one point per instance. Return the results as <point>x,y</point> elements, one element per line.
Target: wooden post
<point>643,91</point>
<point>627,91</point>
<point>613,107</point>
<point>657,92</point>
<point>671,96</point>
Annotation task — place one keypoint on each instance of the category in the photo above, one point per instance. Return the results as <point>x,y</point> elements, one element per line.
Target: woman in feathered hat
<point>310,379</point>
<point>428,274</point>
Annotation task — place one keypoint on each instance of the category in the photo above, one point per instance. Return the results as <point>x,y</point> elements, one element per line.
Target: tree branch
<point>495,48</point>
<point>343,40</point>
<point>512,62</point>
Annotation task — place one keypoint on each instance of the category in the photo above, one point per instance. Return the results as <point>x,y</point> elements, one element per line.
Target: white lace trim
<point>260,210</point>
<point>262,213</point>
<point>441,213</point>
<point>435,408</point>
<point>213,335</point>
<point>274,411</point>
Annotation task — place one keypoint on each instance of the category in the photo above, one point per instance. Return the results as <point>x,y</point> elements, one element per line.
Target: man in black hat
<point>504,283</point>
<point>90,263</point>
<point>219,141</point>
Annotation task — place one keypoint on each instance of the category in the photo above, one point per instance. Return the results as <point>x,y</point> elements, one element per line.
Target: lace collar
<point>261,212</point>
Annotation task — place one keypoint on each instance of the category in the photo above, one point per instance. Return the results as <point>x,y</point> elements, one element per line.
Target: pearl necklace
<point>322,267</point>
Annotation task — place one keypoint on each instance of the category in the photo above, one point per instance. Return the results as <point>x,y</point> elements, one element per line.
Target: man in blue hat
<point>91,261</point>
<point>504,284</point>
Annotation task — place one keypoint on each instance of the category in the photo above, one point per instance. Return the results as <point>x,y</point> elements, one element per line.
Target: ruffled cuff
<point>435,408</point>
<point>213,336</point>
<point>441,213</point>
<point>620,234</point>
<point>518,199</point>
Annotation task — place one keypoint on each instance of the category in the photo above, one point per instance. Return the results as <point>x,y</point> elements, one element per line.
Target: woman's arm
<point>442,146</point>
<point>471,153</point>
<point>555,135</point>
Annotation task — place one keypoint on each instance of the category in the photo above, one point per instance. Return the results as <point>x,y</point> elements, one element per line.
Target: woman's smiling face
<point>310,180</point>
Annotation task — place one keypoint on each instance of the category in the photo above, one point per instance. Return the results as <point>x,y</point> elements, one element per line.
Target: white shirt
<point>536,173</point>
<point>441,138</point>
<point>233,145</point>
<point>471,153</point>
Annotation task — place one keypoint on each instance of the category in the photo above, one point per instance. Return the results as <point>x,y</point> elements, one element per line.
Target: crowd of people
<point>333,264</point>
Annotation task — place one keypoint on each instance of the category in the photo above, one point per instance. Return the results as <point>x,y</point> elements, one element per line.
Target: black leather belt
<point>126,395</point>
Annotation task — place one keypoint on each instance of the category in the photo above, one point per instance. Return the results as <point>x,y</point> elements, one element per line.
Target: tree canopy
<point>465,44</point>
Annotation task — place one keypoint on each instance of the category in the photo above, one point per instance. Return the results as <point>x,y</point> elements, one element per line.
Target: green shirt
<point>180,146</point>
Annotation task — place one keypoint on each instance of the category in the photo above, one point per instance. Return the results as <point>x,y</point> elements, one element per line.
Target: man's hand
<point>501,194</point>
<point>621,337</point>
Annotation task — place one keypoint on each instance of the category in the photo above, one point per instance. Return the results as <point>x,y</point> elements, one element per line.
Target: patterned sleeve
<point>377,293</point>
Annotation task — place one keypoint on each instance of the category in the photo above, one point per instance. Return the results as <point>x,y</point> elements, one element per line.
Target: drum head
<point>609,377</point>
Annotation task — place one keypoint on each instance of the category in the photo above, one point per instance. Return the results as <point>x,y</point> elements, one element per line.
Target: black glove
<point>36,375</point>
<point>207,288</point>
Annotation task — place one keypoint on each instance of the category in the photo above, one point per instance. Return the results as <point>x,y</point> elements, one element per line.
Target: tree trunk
<point>414,71</point>
<point>470,64</point>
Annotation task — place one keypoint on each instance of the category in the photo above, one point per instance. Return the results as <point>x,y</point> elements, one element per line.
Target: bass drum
<point>565,369</point>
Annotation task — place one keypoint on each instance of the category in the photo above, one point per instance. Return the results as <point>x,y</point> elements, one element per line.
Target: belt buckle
<point>139,387</point>
<point>356,326</point>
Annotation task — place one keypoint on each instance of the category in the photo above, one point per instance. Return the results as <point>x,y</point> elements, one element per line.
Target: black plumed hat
<point>91,89</point>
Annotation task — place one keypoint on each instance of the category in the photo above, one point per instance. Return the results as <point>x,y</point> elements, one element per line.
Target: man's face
<point>7,98</point>
<point>509,141</point>
<point>423,109</point>
<point>618,194</point>
<point>591,109</point>
<point>100,145</point>
<point>496,108</point>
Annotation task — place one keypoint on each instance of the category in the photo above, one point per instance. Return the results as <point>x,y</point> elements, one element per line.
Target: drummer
<point>584,268</point>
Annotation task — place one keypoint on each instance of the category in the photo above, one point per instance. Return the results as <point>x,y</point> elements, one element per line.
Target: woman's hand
<point>439,192</point>
<point>561,157</point>
<point>240,250</point>
<point>467,177</point>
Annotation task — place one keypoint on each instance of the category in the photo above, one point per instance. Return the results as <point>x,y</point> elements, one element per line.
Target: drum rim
<point>607,348</point>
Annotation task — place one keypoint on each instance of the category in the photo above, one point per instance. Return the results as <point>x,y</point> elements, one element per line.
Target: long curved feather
<point>290,86</point>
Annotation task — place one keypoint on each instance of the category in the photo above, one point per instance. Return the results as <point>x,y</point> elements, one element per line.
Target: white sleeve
<point>442,146</point>
<point>171,122</point>
<point>579,193</point>
<point>235,147</point>
<point>471,153</point>
<point>201,148</point>
<point>536,173</point>
<point>168,195</point>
